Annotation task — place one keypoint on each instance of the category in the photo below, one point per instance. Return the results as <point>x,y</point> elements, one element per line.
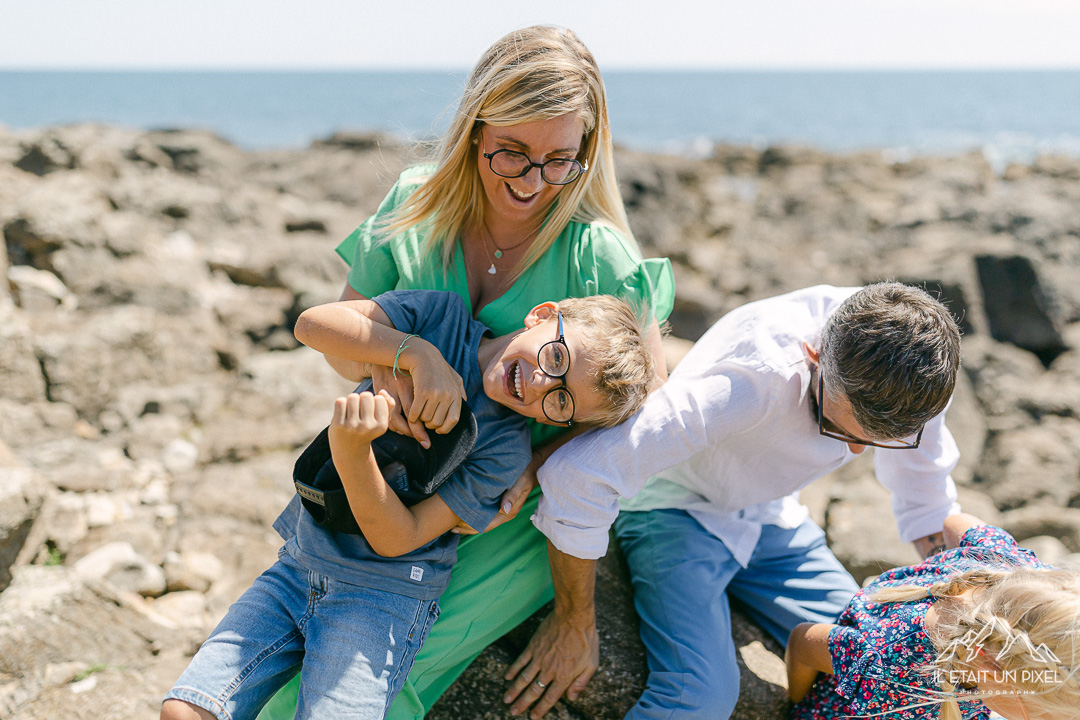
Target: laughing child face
<point>518,371</point>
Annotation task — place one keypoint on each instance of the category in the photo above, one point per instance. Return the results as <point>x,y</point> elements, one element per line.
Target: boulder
<point>1033,464</point>
<point>38,290</point>
<point>620,679</point>
<point>45,156</point>
<point>1020,308</point>
<point>21,375</point>
<point>50,619</point>
<point>119,564</point>
<point>1039,520</point>
<point>861,530</point>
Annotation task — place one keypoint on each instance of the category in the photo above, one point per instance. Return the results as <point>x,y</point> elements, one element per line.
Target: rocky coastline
<point>153,399</point>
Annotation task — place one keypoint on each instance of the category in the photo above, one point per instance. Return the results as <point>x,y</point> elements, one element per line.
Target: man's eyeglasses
<point>513,164</point>
<point>838,434</point>
<point>554,361</point>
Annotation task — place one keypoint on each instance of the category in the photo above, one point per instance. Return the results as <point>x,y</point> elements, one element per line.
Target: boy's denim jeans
<point>354,644</point>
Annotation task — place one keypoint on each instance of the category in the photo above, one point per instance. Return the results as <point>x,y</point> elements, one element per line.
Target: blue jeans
<point>355,644</point>
<point>680,573</point>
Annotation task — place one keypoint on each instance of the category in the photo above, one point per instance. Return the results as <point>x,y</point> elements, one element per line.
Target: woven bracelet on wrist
<point>401,348</point>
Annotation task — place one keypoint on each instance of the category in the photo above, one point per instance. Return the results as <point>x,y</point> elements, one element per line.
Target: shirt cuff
<point>585,543</point>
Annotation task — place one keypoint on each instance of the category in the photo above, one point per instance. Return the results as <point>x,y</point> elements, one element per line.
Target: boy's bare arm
<point>359,331</point>
<point>807,654</point>
<point>352,371</point>
<point>354,330</point>
<point>390,527</point>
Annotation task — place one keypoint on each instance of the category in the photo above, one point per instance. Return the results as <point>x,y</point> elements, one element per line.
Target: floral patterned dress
<point>880,651</point>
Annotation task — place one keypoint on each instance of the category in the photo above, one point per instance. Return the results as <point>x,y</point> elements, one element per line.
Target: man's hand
<point>561,657</point>
<point>564,652</point>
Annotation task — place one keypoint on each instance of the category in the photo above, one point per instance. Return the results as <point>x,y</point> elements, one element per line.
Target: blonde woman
<point>981,626</point>
<point>520,204</point>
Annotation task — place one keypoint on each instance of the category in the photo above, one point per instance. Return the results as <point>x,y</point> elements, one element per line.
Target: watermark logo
<point>972,666</point>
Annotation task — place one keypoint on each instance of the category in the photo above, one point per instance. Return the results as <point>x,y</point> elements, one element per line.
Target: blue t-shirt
<point>473,491</point>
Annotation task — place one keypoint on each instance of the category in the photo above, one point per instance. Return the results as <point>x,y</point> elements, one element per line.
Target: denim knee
<point>688,696</point>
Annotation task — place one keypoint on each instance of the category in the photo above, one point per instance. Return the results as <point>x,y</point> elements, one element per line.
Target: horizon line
<point>615,69</point>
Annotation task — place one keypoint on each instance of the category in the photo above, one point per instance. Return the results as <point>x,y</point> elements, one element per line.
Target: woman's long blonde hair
<point>537,73</point>
<point>1023,622</point>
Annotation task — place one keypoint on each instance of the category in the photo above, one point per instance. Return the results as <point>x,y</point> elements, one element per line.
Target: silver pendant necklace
<point>495,251</point>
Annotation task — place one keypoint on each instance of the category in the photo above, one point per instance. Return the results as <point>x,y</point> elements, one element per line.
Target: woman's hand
<point>512,500</point>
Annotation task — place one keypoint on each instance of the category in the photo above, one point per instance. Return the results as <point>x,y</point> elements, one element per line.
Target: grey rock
<point>1036,520</point>
<point>49,618</point>
<point>119,564</point>
<point>62,210</point>
<point>1037,463</point>
<point>119,346</point>
<point>38,290</point>
<point>44,157</point>
<point>162,401</point>
<point>185,608</point>
<point>21,496</point>
<point>192,571</point>
<point>861,530</point>
<point>21,376</point>
<point>1020,308</point>
<point>1049,550</point>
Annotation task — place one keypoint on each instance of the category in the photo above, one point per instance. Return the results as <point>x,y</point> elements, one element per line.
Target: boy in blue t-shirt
<point>353,609</point>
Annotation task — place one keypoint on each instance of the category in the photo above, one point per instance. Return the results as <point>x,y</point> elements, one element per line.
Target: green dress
<point>501,577</point>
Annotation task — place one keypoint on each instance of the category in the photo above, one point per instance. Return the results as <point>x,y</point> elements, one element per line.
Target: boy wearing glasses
<point>353,609</point>
<point>776,394</point>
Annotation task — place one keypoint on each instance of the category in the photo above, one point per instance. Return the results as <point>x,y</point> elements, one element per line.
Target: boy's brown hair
<point>614,338</point>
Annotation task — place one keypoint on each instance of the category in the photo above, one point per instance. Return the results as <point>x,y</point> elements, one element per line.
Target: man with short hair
<point>778,393</point>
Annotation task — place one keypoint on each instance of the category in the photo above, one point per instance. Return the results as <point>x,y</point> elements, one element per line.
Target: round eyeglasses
<point>554,361</point>
<point>513,164</point>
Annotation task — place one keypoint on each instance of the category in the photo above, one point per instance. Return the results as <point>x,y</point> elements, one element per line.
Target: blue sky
<point>325,34</point>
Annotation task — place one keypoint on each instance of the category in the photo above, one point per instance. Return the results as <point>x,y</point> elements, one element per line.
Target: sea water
<point>1009,115</point>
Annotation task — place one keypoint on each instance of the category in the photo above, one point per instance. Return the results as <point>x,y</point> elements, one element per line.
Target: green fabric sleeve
<point>373,268</point>
<point>610,264</point>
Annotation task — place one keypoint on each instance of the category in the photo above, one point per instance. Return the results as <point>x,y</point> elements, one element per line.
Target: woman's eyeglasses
<point>513,164</point>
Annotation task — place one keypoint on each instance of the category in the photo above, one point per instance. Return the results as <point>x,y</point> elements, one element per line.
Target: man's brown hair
<point>892,351</point>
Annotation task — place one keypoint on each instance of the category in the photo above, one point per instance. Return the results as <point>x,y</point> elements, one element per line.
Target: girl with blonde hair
<point>983,626</point>
<point>520,204</point>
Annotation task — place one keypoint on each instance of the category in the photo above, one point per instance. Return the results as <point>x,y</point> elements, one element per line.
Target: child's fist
<point>361,417</point>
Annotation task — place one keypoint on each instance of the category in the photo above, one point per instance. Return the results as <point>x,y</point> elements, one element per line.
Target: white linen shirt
<point>731,438</point>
